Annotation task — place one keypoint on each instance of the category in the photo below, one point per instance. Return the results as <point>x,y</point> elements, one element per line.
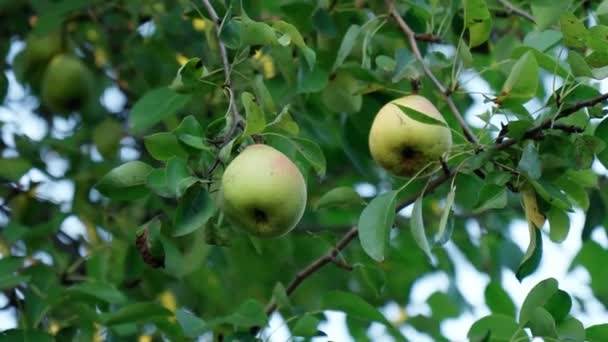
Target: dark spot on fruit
<point>260,216</point>
<point>409,153</point>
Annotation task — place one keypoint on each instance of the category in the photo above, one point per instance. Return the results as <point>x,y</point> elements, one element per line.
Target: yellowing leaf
<point>533,214</point>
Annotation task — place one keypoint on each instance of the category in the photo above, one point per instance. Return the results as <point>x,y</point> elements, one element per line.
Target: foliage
<point>201,80</point>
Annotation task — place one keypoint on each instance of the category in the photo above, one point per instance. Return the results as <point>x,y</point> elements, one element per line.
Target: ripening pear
<point>403,145</point>
<point>67,85</point>
<point>263,192</point>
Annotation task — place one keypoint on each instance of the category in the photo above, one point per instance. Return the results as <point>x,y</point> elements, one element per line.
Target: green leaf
<point>596,38</point>
<point>54,15</point>
<point>517,129</point>
<point>190,133</point>
<point>419,116</point>
<point>418,231</point>
<point>280,294</point>
<point>552,194</point>
<point>250,313</point>
<point>357,308</point>
<point>178,176</point>
<point>544,60</point>
<point>375,224</point>
<point>538,296</point>
<point>193,211</point>
<point>284,123</point>
<point>25,335</point>
<point>443,231</point>
<point>601,132</point>
<point>541,323</point>
<point>443,306</point>
<point>522,82</point>
<point>106,137</point>
<point>255,117</point>
<point>341,95</point>
<point>491,196</point>
<point>137,312</point>
<point>478,20</point>
<point>13,168</point>
<point>559,224</point>
<point>10,281</point>
<point>405,64</point>
<point>155,106</point>
<point>164,146</point>
<point>342,196</point>
<point>496,327</point>
<point>559,305</point>
<point>578,65</point>
<point>231,33</point>
<point>585,148</point>
<point>312,80</point>
<point>498,300</point>
<point>296,38</point>
<point>192,325</point>
<point>575,33</point>
<point>306,326</point>
<point>597,333</point>
<point>157,182</point>
<point>547,12</point>
<point>313,154</point>
<point>534,252</point>
<point>262,93</point>
<point>125,182</point>
<point>255,32</point>
<point>571,329</point>
<point>10,264</point>
<point>543,40</point>
<point>529,162</point>
<point>188,76</point>
<point>348,42</point>
<point>103,291</point>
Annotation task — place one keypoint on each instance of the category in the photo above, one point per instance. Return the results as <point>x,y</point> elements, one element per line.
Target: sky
<point>18,118</point>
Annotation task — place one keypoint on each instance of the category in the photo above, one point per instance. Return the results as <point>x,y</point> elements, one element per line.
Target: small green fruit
<point>263,192</point>
<point>403,145</point>
<point>67,85</point>
<point>31,63</point>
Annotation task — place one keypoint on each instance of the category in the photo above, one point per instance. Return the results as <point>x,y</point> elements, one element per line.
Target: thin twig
<point>330,256</point>
<point>411,37</point>
<point>236,116</point>
<point>550,122</point>
<point>427,37</point>
<point>516,10</point>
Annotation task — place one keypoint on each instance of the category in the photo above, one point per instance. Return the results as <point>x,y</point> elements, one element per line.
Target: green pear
<point>403,145</point>
<point>31,63</point>
<point>263,192</point>
<point>67,85</point>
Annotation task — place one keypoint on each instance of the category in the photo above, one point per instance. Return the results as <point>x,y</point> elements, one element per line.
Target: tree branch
<point>427,37</point>
<point>550,123</point>
<point>446,175</point>
<point>411,37</point>
<point>516,10</point>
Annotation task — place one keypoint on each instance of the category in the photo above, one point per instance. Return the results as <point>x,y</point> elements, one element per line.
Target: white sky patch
<point>113,99</point>
<point>365,189</point>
